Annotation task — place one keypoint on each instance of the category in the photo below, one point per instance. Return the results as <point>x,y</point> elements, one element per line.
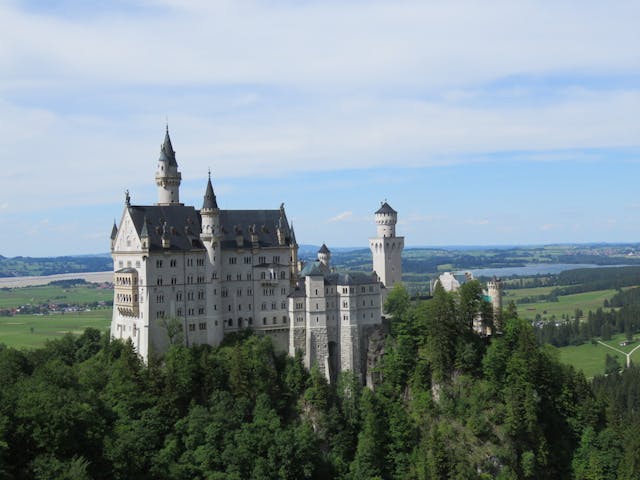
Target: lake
<point>531,269</point>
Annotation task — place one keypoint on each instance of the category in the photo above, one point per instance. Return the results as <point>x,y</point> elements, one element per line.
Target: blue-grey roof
<point>324,249</point>
<point>264,222</point>
<point>182,226</point>
<point>385,208</point>
<point>114,231</point>
<point>166,151</point>
<point>312,269</point>
<point>209,197</point>
<point>350,278</point>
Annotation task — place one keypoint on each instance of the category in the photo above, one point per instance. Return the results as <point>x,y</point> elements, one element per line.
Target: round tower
<point>210,231</point>
<point>386,219</point>
<point>168,177</point>
<point>209,212</point>
<point>324,256</point>
<point>494,289</point>
<point>386,248</point>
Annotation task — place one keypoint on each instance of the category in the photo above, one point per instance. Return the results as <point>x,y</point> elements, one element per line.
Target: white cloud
<point>341,217</point>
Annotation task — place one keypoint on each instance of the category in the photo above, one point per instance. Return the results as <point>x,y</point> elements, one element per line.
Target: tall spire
<point>168,177</point>
<point>114,230</point>
<point>209,197</point>
<point>166,149</point>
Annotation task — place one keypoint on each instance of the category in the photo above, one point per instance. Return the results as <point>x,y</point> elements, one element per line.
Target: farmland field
<point>566,304</point>
<point>17,331</point>
<point>80,294</point>
<point>590,358</point>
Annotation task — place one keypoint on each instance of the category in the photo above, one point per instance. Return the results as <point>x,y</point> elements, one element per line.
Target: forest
<point>449,404</point>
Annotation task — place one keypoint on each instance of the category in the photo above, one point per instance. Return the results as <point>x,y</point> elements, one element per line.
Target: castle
<point>211,271</point>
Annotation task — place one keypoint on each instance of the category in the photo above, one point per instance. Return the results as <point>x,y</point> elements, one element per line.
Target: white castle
<point>214,271</point>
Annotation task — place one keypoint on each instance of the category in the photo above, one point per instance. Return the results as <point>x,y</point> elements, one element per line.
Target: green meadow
<point>32,331</point>
<point>590,358</point>
<point>566,304</point>
<point>36,295</point>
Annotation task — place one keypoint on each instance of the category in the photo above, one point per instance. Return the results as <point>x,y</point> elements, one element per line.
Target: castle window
<point>273,306</point>
<point>249,291</point>
<point>248,276</point>
<point>228,277</point>
<point>179,312</point>
<point>192,327</point>
<point>201,311</point>
<point>283,305</point>
<point>158,263</point>
<point>232,260</point>
<point>172,262</point>
<point>275,320</point>
<point>263,275</point>
<point>160,314</point>
<point>239,292</point>
<point>200,262</point>
<point>174,280</point>
<point>345,304</point>
<point>247,260</point>
<point>264,320</point>
<point>201,295</point>
<point>238,276</point>
<point>283,275</point>
<point>202,326</point>
<point>264,306</point>
<point>276,259</point>
<point>284,319</point>
<point>262,259</point>
<point>159,281</point>
<point>250,320</point>
<point>160,299</point>
<point>249,307</point>
<point>179,296</point>
<point>224,292</point>
<point>137,263</point>
<point>229,307</point>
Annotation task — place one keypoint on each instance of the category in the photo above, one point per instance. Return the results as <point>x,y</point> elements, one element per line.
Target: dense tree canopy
<point>450,405</point>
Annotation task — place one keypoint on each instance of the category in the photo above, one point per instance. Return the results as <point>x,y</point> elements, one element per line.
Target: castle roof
<point>114,231</point>
<point>385,208</point>
<point>324,249</point>
<point>350,278</point>
<point>263,222</point>
<point>182,226</point>
<point>313,269</point>
<point>209,197</point>
<point>167,153</point>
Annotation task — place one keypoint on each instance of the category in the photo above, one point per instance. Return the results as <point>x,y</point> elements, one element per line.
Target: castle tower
<point>494,289</point>
<point>167,175</point>
<point>324,257</point>
<point>387,248</point>
<point>210,235</point>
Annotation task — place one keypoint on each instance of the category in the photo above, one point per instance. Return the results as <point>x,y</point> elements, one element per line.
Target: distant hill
<point>31,266</point>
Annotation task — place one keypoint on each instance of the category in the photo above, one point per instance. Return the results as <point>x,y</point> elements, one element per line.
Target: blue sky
<point>482,123</point>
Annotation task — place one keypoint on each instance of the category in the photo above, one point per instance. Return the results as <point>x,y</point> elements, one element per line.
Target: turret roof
<point>324,249</point>
<point>385,208</point>
<point>166,150</point>
<point>209,197</point>
<point>114,231</point>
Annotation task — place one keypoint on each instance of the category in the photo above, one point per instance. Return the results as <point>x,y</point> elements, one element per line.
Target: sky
<point>481,122</point>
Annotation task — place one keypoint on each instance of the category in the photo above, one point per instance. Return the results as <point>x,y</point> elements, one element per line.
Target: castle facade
<point>192,276</point>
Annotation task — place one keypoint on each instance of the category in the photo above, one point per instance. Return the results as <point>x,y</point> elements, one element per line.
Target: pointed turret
<point>209,213</point>
<point>324,255</point>
<point>166,150</point>
<point>114,234</point>
<point>168,177</point>
<point>210,202</point>
<point>293,235</point>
